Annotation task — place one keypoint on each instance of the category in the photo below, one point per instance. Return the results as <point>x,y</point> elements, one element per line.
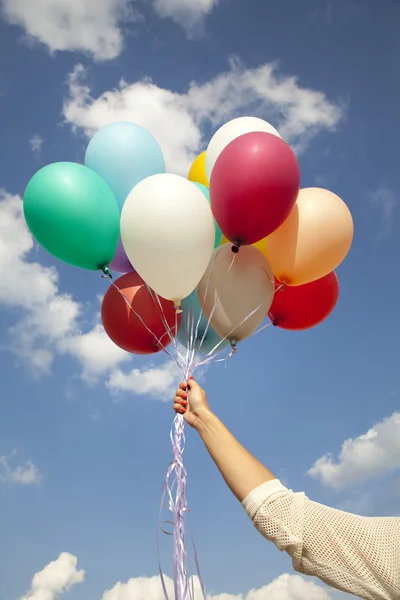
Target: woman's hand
<point>191,401</point>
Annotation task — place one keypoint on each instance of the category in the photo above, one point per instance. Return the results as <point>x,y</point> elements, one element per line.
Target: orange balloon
<point>314,239</point>
<point>261,245</point>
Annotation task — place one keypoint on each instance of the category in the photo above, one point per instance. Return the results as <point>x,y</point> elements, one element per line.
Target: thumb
<point>193,385</point>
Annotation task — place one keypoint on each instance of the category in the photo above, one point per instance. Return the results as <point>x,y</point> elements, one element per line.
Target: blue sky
<point>84,429</point>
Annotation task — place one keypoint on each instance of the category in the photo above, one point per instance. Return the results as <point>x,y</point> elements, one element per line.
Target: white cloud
<point>26,474</point>
<point>286,587</point>
<point>94,27</point>
<point>47,322</point>
<point>90,26</point>
<point>385,202</point>
<point>55,579</point>
<point>154,382</point>
<point>187,13</point>
<point>177,120</point>
<point>36,143</point>
<point>289,587</point>
<point>96,353</point>
<point>372,455</point>
<point>44,315</point>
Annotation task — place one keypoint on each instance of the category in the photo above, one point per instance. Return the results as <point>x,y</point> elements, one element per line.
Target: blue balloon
<point>191,312</point>
<point>124,154</point>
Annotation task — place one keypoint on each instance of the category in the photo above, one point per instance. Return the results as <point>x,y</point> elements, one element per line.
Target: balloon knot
<point>106,270</point>
<point>236,247</point>
<point>275,322</point>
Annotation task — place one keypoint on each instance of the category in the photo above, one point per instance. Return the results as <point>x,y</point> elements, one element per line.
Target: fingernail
<point>184,395</point>
<point>184,410</point>
<point>184,402</point>
<point>191,378</point>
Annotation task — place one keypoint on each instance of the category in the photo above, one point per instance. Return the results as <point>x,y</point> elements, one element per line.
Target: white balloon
<point>229,132</point>
<point>168,232</point>
<point>234,290</point>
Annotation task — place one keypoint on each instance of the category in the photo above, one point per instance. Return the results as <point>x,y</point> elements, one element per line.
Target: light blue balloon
<point>124,154</point>
<point>191,306</point>
<point>218,232</point>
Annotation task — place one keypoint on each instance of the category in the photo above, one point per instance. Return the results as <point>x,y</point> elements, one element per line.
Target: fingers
<point>179,407</point>
<point>180,393</point>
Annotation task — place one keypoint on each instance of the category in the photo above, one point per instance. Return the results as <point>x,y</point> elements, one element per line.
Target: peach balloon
<point>314,239</point>
<point>234,286</point>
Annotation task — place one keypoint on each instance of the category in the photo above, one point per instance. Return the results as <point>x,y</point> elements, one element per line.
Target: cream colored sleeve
<point>358,555</point>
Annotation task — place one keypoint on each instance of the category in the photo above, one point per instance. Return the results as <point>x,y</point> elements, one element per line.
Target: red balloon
<point>125,328</point>
<point>254,185</point>
<point>305,306</point>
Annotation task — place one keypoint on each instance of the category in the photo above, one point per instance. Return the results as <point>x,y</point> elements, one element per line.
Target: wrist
<point>204,420</point>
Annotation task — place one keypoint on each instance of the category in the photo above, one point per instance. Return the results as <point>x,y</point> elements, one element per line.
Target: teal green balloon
<point>73,214</point>
<point>218,232</point>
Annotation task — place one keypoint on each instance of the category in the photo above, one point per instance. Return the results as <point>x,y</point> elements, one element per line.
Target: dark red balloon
<point>305,306</point>
<point>254,185</point>
<point>125,328</point>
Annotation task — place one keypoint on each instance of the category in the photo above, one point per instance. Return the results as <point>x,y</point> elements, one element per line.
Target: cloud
<point>187,13</point>
<point>286,587</point>
<point>96,353</point>
<point>372,455</point>
<point>26,474</point>
<point>48,323</point>
<point>36,143</point>
<point>158,383</point>
<point>44,316</point>
<point>177,120</point>
<point>385,202</point>
<point>55,579</point>
<point>289,587</point>
<point>93,27</point>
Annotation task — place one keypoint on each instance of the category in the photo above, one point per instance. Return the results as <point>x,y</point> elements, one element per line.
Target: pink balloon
<point>254,185</point>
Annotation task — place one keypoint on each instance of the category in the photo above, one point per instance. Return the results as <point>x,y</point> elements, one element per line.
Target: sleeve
<point>358,555</point>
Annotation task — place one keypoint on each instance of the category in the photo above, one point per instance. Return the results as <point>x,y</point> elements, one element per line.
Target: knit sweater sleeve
<point>358,555</point>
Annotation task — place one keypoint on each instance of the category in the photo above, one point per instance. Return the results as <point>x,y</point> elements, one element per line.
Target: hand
<point>193,406</point>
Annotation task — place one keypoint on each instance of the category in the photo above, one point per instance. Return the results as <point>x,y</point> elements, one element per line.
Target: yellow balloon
<point>261,245</point>
<point>197,171</point>
<point>314,239</point>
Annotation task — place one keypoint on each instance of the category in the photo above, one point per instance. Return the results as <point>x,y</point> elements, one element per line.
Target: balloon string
<point>215,304</point>
<point>156,299</point>
<point>178,506</point>
<point>246,318</point>
<point>210,271</point>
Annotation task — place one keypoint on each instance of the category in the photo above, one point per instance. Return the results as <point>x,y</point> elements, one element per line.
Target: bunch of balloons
<point>205,258</point>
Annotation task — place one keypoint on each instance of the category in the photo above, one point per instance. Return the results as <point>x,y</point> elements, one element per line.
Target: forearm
<point>240,470</point>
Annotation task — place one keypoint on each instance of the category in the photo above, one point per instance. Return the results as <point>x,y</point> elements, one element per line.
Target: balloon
<point>73,214</point>
<point>218,232</point>
<point>123,154</point>
<point>125,328</point>
<point>261,245</point>
<point>254,185</point>
<point>193,320</point>
<point>237,285</point>
<point>120,263</point>
<point>305,306</point>
<point>229,132</point>
<point>197,172</point>
<point>168,233</point>
<point>314,240</point>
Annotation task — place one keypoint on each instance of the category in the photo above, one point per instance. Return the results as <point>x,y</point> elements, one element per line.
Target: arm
<point>350,553</point>
<point>240,470</point>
